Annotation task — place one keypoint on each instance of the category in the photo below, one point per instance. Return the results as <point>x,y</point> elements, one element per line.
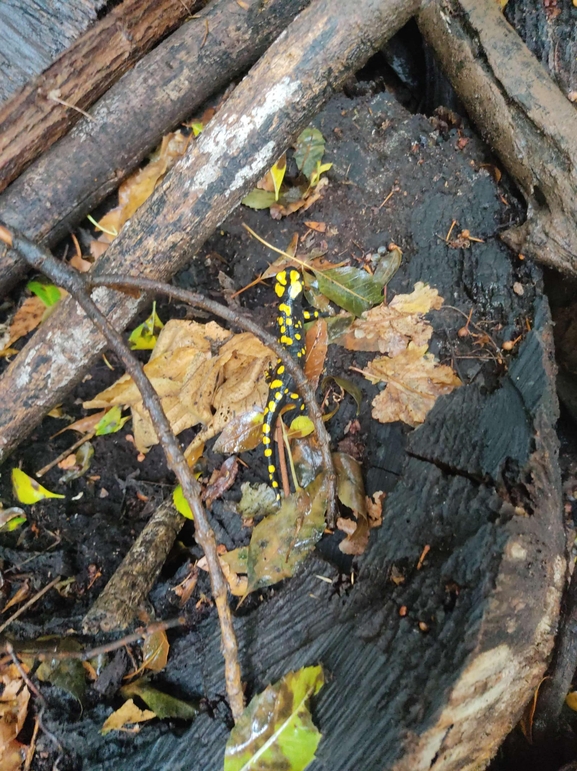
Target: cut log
<point>277,99</point>
<point>430,656</point>
<point>129,121</point>
<point>521,113</point>
<point>47,106</point>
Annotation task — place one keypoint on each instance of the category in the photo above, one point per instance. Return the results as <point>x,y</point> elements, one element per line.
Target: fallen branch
<point>521,113</point>
<point>46,107</point>
<point>73,282</point>
<point>65,184</point>
<point>275,101</point>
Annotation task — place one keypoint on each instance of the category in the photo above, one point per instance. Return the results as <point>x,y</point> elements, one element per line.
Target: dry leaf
<point>414,380</point>
<point>317,339</point>
<point>128,713</point>
<point>375,508</point>
<point>278,211</point>
<point>135,190</point>
<point>27,317</point>
<point>13,710</point>
<point>390,328</point>
<point>20,595</point>
<point>222,479</point>
<point>237,584</point>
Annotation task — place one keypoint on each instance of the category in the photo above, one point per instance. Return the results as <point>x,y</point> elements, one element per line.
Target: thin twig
<point>84,438</point>
<point>90,653</point>
<point>74,283</point>
<point>29,604</point>
<point>302,385</point>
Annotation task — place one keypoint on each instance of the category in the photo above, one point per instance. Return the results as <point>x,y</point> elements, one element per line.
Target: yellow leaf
<point>571,700</point>
<point>128,713</point>
<point>414,380</point>
<point>180,503</point>
<point>277,174</point>
<point>28,490</point>
<point>300,427</point>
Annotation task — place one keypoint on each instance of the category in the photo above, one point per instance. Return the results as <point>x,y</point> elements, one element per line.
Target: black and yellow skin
<point>291,335</point>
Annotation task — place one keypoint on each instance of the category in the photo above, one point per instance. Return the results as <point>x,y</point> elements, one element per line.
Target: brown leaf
<point>414,380</point>
<point>20,595</point>
<point>13,711</point>
<point>138,187</point>
<point>127,714</point>
<point>351,492</point>
<point>186,587</point>
<point>155,648</point>
<point>390,328</point>
<point>237,584</point>
<point>317,339</point>
<point>84,425</point>
<point>221,480</point>
<point>27,317</point>
<point>375,508</point>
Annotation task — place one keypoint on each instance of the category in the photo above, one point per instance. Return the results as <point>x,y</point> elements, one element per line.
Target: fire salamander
<point>291,335</point>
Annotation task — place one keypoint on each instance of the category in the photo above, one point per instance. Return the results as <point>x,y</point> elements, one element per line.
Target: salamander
<point>291,335</point>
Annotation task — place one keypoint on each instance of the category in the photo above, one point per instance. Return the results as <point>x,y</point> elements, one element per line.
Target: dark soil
<point>375,146</point>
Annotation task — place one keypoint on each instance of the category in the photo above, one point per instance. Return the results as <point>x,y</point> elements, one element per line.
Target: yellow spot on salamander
<point>281,277</point>
<point>280,370</point>
<point>284,308</point>
<point>266,428</point>
<point>286,340</point>
<point>276,384</point>
<point>267,452</point>
<point>279,289</point>
<point>278,395</point>
<point>271,469</point>
<point>271,406</point>
<point>266,439</point>
<point>294,396</point>
<point>274,483</point>
<point>298,337</point>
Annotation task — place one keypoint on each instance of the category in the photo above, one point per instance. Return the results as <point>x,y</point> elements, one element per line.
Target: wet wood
<point>433,651</point>
<point>127,591</point>
<point>521,113</point>
<point>274,101</point>
<point>34,34</point>
<point>48,105</point>
<point>129,121</point>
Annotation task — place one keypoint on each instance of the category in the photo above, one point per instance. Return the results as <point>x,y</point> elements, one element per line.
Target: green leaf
<point>276,729</point>
<point>282,541</point>
<point>197,127</point>
<point>259,199</point>
<point>350,485</point>
<point>144,337</point>
<point>256,500</point>
<point>84,456</point>
<point>68,674</point>
<point>48,293</point>
<point>111,422</point>
<point>351,288</point>
<point>309,151</point>
<point>28,490</point>
<point>180,503</point>
<point>163,705</point>
<point>348,386</point>
<point>388,265</point>
<point>320,169</point>
<point>11,519</point>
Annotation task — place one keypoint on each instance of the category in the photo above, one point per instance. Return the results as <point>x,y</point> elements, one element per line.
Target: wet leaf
<point>387,265</point>
<point>241,434</point>
<point>414,380</point>
<point>350,288</point>
<point>296,198</point>
<point>277,173</point>
<point>180,503</point>
<point>155,648</point>
<point>348,386</point>
<point>237,584</point>
<point>259,199</point>
<point>276,729</point>
<point>307,459</point>
<point>11,518</point>
<point>300,427</point>
<point>144,337</point>
<point>309,150</point>
<point>68,674</point>
<point>48,293</point>
<point>282,541</point>
<point>237,559</point>
<point>28,490</point>
<point>82,461</point>
<point>111,422</point>
<point>27,317</point>
<point>162,705</point>
<point>128,714</point>
<point>256,500</point>
<point>351,492</point>
<point>221,480</point>
<point>317,337</point>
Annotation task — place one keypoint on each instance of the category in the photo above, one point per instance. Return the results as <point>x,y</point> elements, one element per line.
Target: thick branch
<point>521,113</point>
<point>276,100</point>
<point>33,119</point>
<point>163,89</point>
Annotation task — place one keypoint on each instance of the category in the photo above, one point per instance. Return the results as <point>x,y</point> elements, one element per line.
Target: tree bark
<point>521,113</point>
<point>33,119</point>
<point>128,122</point>
<point>276,100</point>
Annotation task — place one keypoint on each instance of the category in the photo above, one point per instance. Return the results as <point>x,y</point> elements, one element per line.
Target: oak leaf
<point>414,380</point>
